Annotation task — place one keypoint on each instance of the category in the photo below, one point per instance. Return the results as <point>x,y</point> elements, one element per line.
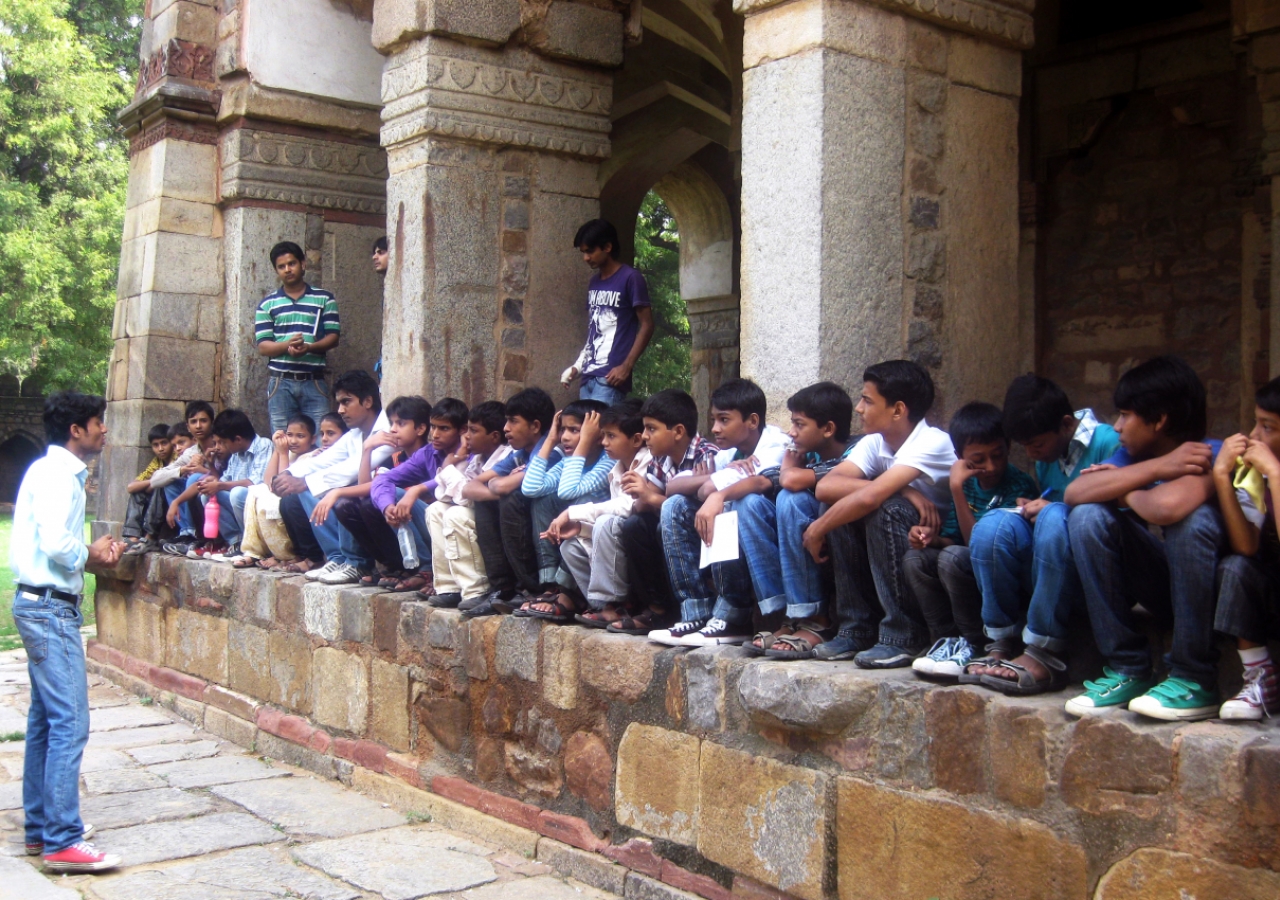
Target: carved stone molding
<point>439,87</point>
<point>287,168</point>
<point>168,129</point>
<point>170,109</point>
<point>1005,21</point>
<point>714,322</point>
<point>183,59</point>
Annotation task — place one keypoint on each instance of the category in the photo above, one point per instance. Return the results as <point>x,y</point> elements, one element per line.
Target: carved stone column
<point>880,191</point>
<point>714,357</point>
<point>493,159</point>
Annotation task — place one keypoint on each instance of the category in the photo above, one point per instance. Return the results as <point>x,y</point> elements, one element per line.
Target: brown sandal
<point>640,624</point>
<point>761,641</point>
<point>797,644</point>
<point>560,610</point>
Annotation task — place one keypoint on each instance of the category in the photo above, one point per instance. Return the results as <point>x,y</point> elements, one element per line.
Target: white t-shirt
<point>768,454</point>
<point>927,450</point>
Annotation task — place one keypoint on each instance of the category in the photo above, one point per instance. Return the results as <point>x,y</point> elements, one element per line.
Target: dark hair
<point>1034,406</point>
<point>361,385</point>
<point>453,409</point>
<point>741,395</point>
<point>67,408</point>
<point>195,407</point>
<point>902,381</point>
<point>579,408</point>
<point>380,244</point>
<point>335,419</point>
<point>284,247</point>
<point>825,402</point>
<point>533,405</point>
<point>976,423</point>
<point>625,416</point>
<point>1268,396</point>
<point>595,234</point>
<point>672,407</point>
<point>233,423</point>
<point>305,421</point>
<point>179,429</point>
<point>412,409</point>
<point>490,415</point>
<point>1165,386</point>
<point>158,433</point>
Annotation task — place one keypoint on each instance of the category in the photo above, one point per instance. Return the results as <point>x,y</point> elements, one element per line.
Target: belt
<point>298,376</point>
<point>39,593</point>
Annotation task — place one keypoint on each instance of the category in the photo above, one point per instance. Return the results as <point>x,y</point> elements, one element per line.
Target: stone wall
<point>705,770</point>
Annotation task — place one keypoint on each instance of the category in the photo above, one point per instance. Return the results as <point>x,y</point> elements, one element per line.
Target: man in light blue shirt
<point>48,555</point>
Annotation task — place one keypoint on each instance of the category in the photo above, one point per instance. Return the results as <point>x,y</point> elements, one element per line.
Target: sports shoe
<point>179,545</point>
<point>1177,700</point>
<point>941,650</point>
<point>448,600</point>
<point>347,574</point>
<point>675,635</point>
<point>885,656</point>
<point>205,549</point>
<point>327,569</point>
<point>231,553</point>
<point>951,668</point>
<point>1112,689</point>
<point>81,857</point>
<point>842,646</point>
<point>714,633</point>
<point>38,847</point>
<point>1259,697</point>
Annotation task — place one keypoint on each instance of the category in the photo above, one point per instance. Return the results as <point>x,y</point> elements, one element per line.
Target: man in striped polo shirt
<point>294,328</point>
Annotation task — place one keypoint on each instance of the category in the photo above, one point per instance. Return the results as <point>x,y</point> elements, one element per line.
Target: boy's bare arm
<point>866,498</point>
<point>1243,537</point>
<point>1172,501</point>
<point>1106,485</point>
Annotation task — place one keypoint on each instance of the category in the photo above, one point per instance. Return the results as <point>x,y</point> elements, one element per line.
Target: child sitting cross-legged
<point>1246,476</point>
<point>457,564</point>
<point>939,570</point>
<point>590,532</point>
<point>715,606</point>
<point>784,575</point>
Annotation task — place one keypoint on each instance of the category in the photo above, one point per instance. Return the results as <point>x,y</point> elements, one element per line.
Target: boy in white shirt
<point>896,477</point>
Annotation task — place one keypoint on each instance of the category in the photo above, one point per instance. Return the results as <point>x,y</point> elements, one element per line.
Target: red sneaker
<point>37,848</point>
<point>80,857</point>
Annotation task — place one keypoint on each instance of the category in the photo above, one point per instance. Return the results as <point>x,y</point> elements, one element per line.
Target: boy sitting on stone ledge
<point>154,526</point>
<point>140,489</point>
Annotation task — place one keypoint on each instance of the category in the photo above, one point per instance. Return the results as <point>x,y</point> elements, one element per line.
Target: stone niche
<point>707,769</point>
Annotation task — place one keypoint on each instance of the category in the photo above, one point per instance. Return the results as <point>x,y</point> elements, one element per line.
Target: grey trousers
<point>598,564</point>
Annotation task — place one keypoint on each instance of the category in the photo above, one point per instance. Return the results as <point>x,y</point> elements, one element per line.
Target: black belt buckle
<point>50,592</point>
<point>300,376</point>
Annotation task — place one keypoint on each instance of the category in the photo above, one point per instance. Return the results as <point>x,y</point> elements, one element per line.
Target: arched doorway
<point>17,452</point>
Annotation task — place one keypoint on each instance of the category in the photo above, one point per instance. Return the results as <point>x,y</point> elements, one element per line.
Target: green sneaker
<point>1112,689</point>
<point>1177,700</point>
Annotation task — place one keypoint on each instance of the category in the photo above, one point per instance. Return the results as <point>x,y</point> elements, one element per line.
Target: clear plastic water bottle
<point>408,547</point>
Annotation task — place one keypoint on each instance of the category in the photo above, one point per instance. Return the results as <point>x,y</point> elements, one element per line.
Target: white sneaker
<point>715,633</point>
<point>1259,697</point>
<point>675,635</point>
<point>327,569</point>
<point>347,574</point>
<point>952,667</point>
<point>940,650</point>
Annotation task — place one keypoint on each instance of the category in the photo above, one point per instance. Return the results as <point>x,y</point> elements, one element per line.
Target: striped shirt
<point>314,315</point>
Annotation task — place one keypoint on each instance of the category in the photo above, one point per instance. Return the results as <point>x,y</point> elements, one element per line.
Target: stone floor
<point>197,818</point>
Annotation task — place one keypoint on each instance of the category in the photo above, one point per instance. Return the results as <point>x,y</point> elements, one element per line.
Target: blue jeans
<point>286,398</point>
<point>801,576</point>
<point>231,514</point>
<point>722,590</point>
<point>758,540</point>
<point>1014,561</point>
<point>1122,563</point>
<point>598,389</point>
<point>336,541</point>
<point>185,525</point>
<point>57,722</point>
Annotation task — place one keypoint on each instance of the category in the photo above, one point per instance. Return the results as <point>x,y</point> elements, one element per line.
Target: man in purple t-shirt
<point>621,319</point>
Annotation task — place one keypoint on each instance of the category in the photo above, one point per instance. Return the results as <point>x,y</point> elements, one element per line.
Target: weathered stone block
<point>984,65</point>
<point>320,614</point>
<point>447,718</point>
<point>516,652</point>
<point>442,629</point>
<point>956,722</point>
<point>1113,766</point>
<point>386,620</point>
<point>806,696</point>
<point>588,769</point>
<point>560,667</point>
<point>763,818</point>
<point>197,644</point>
<point>1151,873</point>
<point>662,800</point>
<point>398,21</point>
<point>476,639</point>
<point>389,704</point>
<point>146,631</point>
<point>113,619</point>
<point>289,659</point>
<point>248,660</point>
<point>1019,755</point>
<point>616,666</point>
<point>355,615</point>
<point>255,595</point>
<point>222,582</point>
<point>290,604</point>
<point>893,845</point>
<point>412,628</point>
<point>341,688</point>
<point>582,33</point>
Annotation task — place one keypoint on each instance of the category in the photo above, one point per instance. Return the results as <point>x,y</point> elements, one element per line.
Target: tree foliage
<point>63,175</point>
<point>665,364</point>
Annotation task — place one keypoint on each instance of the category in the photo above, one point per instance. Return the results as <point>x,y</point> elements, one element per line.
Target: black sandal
<point>1024,684</point>
<point>640,624</point>
<point>562,613</point>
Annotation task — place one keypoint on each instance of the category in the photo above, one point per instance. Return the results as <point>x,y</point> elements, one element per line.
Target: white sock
<point>1254,656</point>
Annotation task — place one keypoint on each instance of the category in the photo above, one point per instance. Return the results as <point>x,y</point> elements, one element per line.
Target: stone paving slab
<point>12,721</point>
<point>143,807</point>
<point>543,887</point>
<point>19,880</point>
<point>194,773</point>
<point>164,753</point>
<point>122,781</point>
<point>11,795</point>
<point>162,841</point>
<point>143,737</point>
<point>99,759</point>
<point>306,806</point>
<point>12,748</point>
<point>115,718</point>
<point>254,874</point>
<point>398,864</point>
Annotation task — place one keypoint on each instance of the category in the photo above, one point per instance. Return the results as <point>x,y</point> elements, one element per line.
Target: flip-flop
<point>640,624</point>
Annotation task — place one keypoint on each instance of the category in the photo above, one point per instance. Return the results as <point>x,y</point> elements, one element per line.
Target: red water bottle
<point>211,511</point>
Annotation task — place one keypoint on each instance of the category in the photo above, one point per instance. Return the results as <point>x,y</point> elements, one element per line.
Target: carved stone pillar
<point>713,326</point>
<point>880,191</point>
<point>493,158</point>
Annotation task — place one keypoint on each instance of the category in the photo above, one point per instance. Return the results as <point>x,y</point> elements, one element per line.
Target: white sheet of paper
<point>724,543</point>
